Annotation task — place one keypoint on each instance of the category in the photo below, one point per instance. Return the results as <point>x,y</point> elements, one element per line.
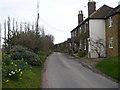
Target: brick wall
<point>112,32</point>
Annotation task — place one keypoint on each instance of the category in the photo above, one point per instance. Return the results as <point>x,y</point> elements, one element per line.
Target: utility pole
<point>37,22</point>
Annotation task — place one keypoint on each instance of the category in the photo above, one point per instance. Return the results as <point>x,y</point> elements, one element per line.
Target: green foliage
<point>110,66</point>
<point>81,53</point>
<point>12,70</point>
<point>19,52</point>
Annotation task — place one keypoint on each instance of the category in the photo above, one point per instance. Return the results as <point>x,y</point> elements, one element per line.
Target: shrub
<point>81,53</point>
<point>12,69</point>
<point>19,52</point>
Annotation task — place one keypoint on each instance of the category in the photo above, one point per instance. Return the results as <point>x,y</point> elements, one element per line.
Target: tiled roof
<point>113,11</point>
<point>101,12</point>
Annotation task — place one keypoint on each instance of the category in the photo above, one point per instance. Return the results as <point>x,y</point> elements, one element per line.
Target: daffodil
<point>10,74</point>
<point>7,81</point>
<point>19,69</point>
<point>21,72</point>
<point>12,63</point>
<point>15,64</point>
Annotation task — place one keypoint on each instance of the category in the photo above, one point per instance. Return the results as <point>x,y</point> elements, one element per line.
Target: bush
<point>12,69</point>
<point>19,52</point>
<point>81,53</point>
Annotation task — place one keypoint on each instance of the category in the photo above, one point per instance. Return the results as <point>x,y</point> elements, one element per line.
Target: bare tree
<point>21,27</point>
<point>98,47</point>
<point>13,24</point>
<point>16,26</point>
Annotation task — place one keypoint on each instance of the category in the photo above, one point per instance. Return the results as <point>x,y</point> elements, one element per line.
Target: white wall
<point>96,32</point>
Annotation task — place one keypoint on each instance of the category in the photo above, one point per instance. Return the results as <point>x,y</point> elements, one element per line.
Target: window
<point>80,29</point>
<point>80,44</point>
<point>111,42</point>
<point>85,45</point>
<point>110,21</point>
<point>87,22</point>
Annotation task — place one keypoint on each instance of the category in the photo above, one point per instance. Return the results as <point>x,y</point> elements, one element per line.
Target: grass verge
<point>30,79</point>
<point>110,66</point>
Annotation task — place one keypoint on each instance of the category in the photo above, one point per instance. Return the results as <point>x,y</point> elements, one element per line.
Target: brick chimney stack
<point>91,7</point>
<point>80,17</point>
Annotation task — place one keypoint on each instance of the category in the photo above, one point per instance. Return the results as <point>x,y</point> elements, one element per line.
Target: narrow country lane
<point>61,71</point>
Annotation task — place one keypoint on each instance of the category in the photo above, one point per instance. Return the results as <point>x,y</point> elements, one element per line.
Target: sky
<point>58,17</point>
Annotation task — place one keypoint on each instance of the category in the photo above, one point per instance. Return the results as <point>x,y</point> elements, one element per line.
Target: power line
<point>51,26</point>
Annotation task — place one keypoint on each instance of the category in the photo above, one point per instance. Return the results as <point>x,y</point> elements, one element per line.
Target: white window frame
<point>80,29</point>
<point>111,42</point>
<point>110,21</point>
<point>80,44</point>
<point>85,45</point>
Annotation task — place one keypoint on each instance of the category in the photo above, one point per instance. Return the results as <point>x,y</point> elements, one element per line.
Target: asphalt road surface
<point>61,71</point>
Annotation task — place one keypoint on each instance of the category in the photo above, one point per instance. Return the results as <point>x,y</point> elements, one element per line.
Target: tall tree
<point>9,29</point>
<point>13,24</point>
<point>37,22</point>
<point>5,34</point>
<point>21,27</point>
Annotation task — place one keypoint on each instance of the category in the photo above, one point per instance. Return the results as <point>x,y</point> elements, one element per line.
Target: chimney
<point>118,3</point>
<point>91,7</point>
<point>80,17</point>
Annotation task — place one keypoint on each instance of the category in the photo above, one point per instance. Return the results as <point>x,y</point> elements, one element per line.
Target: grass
<point>31,79</point>
<point>43,55</point>
<point>110,66</point>
<point>61,51</point>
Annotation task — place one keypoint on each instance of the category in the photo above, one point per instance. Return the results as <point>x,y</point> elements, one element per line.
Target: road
<point>61,71</point>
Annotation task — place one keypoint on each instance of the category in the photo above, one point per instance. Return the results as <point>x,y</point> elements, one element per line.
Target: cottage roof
<point>113,11</point>
<point>101,12</point>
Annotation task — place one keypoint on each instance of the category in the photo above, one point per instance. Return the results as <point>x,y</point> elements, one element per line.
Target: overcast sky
<point>58,17</point>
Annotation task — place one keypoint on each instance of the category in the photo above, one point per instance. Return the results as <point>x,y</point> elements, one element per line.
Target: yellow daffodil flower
<point>15,64</point>
<point>21,72</point>
<point>7,81</point>
<point>12,63</point>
